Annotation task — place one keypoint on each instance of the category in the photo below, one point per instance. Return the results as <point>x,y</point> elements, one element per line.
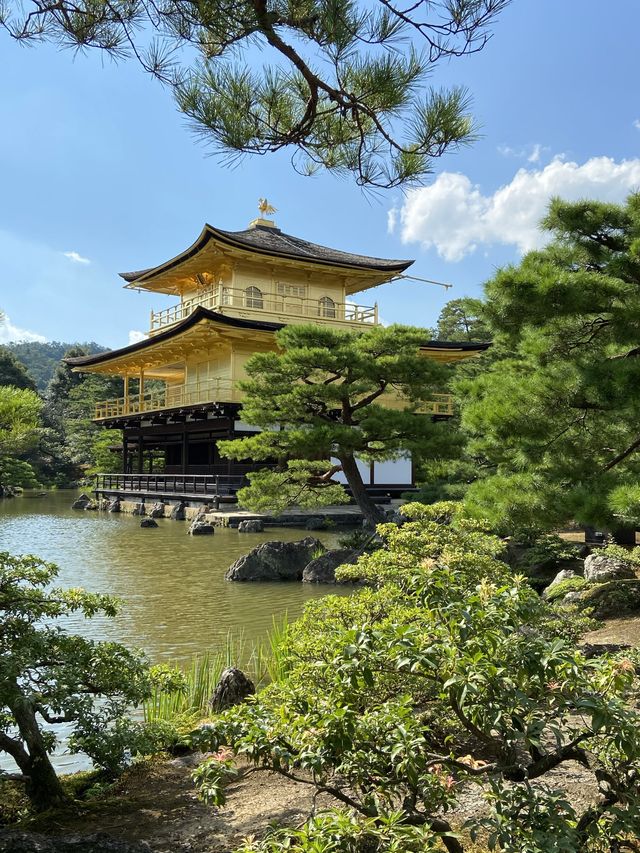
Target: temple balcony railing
<point>226,391</point>
<point>258,305</point>
<point>170,397</point>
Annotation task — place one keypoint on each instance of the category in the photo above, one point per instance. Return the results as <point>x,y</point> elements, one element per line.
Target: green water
<point>175,599</point>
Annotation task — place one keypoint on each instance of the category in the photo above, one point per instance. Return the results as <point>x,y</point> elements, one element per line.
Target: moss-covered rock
<point>614,598</point>
<point>561,588</point>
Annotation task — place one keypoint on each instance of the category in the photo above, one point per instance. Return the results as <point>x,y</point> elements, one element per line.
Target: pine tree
<point>343,84</point>
<point>325,391</point>
<point>557,413</point>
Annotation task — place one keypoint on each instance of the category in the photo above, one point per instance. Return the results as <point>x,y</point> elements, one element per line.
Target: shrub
<point>445,671</point>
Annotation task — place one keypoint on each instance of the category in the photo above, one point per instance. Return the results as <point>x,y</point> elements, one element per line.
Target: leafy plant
<point>445,671</point>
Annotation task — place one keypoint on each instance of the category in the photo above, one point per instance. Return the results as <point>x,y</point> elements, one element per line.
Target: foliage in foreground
<point>555,415</point>
<point>444,672</point>
<point>50,678</point>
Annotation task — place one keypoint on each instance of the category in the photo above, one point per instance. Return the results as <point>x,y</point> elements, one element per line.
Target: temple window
<point>226,297</point>
<point>327,307</point>
<point>253,298</point>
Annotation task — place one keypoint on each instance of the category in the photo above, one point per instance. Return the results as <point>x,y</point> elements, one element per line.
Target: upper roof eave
<point>273,242</point>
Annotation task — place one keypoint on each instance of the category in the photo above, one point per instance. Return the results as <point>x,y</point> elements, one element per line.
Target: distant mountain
<point>41,359</point>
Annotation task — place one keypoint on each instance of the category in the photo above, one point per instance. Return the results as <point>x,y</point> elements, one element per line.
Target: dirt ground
<point>156,802</point>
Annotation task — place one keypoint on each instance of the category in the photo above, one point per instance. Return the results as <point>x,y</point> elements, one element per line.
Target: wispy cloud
<point>76,258</point>
<point>636,124</point>
<point>531,153</point>
<point>135,336</point>
<point>453,215</point>
<point>11,334</point>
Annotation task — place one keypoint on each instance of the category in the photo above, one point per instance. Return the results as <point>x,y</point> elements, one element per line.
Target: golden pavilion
<point>234,290</point>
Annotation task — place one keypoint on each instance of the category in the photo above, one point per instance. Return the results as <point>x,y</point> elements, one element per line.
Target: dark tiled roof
<point>274,242</point>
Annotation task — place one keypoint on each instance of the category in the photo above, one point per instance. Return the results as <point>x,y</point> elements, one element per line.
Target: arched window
<point>253,298</point>
<point>327,307</point>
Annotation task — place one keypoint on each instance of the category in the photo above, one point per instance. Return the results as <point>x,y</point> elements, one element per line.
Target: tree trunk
<point>373,514</point>
<point>42,785</point>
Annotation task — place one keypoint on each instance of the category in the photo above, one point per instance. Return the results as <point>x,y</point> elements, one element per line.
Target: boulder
<point>315,522</point>
<point>251,525</point>
<point>614,598</point>
<point>199,527</point>
<point>92,506</point>
<point>157,510</point>
<point>139,509</point>
<point>148,522</point>
<point>275,561</point>
<point>323,568</point>
<point>114,505</point>
<point>81,502</point>
<point>232,689</point>
<point>177,511</point>
<point>12,841</point>
<point>563,575</point>
<point>598,568</point>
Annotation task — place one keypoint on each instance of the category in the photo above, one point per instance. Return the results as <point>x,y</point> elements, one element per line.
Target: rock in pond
<point>275,561</point>
<point>114,505</point>
<point>157,510</point>
<point>199,527</point>
<point>82,502</point>
<point>315,522</point>
<point>139,509</point>
<point>323,568</point>
<point>232,689</point>
<point>177,511</point>
<point>598,568</point>
<point>148,522</point>
<point>251,525</point>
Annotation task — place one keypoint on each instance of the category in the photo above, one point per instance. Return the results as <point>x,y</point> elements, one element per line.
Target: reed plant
<point>264,662</point>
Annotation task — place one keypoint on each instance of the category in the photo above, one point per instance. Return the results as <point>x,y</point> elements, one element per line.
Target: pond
<point>176,602</point>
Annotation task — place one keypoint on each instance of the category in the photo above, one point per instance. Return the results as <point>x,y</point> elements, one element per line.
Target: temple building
<point>180,384</point>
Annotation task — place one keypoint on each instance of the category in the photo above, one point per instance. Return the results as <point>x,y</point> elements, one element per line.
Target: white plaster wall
<point>397,471</point>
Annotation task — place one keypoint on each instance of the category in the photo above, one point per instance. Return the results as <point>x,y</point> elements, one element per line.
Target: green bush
<point>444,671</point>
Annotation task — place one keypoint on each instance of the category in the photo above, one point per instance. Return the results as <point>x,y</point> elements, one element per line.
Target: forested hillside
<point>41,359</point>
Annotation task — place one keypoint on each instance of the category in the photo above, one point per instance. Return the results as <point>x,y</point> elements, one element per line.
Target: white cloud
<point>10,333</point>
<point>135,336</point>
<point>636,124</point>
<point>76,258</point>
<point>392,219</point>
<point>531,153</point>
<point>536,153</point>
<point>453,216</point>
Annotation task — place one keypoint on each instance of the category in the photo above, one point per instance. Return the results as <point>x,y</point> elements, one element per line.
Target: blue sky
<point>101,174</point>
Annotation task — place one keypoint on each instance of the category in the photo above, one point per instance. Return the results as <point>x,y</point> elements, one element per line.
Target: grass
<point>263,663</point>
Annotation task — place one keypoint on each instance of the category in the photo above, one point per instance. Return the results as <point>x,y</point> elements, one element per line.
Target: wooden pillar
<point>141,408</point>
<point>140,455</point>
<point>126,394</point>
<point>185,449</point>
<point>125,456</point>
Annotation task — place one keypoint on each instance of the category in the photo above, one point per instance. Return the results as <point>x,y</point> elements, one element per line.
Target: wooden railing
<point>226,391</point>
<point>284,306</point>
<point>171,484</point>
<point>172,396</point>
